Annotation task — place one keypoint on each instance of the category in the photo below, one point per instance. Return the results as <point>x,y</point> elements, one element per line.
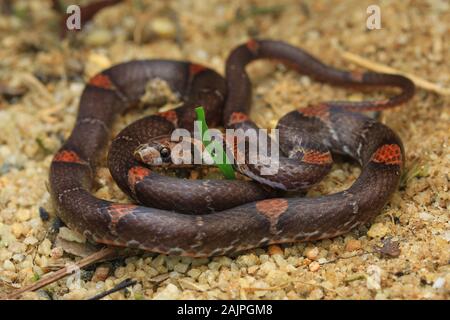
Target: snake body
<point>240,217</point>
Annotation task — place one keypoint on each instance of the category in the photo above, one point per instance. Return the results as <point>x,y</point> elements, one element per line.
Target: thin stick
<point>61,273</point>
<point>420,82</point>
<point>120,286</point>
<point>179,35</point>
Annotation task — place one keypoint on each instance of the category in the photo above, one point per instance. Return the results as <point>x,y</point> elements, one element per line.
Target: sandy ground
<point>41,79</point>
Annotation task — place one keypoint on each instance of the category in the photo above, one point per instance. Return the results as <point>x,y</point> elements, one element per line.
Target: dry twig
<point>120,286</point>
<point>57,275</point>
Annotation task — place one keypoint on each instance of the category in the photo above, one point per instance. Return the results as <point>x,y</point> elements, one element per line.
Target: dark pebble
<point>45,216</point>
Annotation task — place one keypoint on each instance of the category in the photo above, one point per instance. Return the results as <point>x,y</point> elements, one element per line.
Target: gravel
<point>52,73</point>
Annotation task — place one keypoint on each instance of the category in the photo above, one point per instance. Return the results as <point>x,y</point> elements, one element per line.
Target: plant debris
<point>389,248</point>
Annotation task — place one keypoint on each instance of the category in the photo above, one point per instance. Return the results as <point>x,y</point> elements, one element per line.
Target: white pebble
<point>438,283</point>
<point>168,293</point>
<point>373,280</point>
<point>18,257</point>
<point>70,235</point>
<point>45,247</point>
<point>425,216</point>
<point>163,27</point>
<point>9,266</point>
<point>30,240</point>
<point>23,215</point>
<point>98,37</point>
<point>181,267</point>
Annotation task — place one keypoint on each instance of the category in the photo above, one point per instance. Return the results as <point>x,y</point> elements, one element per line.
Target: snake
<point>203,218</point>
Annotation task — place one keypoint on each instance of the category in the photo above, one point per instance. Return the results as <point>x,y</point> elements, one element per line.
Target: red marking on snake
<point>101,81</point>
<point>136,174</point>
<point>116,212</point>
<point>237,117</point>
<point>317,157</point>
<point>388,154</point>
<point>68,156</point>
<point>195,68</point>
<point>321,111</point>
<point>170,115</point>
<point>272,208</point>
<point>379,105</point>
<point>253,46</point>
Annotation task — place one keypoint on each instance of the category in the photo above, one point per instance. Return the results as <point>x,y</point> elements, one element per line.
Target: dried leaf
<point>389,249</point>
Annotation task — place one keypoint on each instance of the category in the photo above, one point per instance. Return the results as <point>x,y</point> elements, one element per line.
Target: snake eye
<point>165,153</point>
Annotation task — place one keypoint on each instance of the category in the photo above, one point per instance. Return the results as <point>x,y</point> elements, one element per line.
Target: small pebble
<point>186,283</point>
<point>277,278</point>
<point>274,249</point>
<point>18,257</point>
<point>425,216</point>
<point>377,230</point>
<point>45,247</point>
<point>70,235</point>
<point>305,80</point>
<point>9,266</point>
<point>439,283</point>
<point>163,27</point>
<point>23,215</point>
<point>17,229</point>
<point>353,245</point>
<point>101,273</point>
<point>194,273</point>
<point>119,272</point>
<point>168,293</point>
<point>267,266</point>
<point>280,261</point>
<point>373,279</point>
<point>223,261</point>
<point>215,266</point>
<point>30,240</point>
<point>312,253</point>
<point>247,260</point>
<point>158,261</point>
<point>57,253</point>
<point>45,216</point>
<point>314,266</point>
<point>42,261</point>
<point>98,37</point>
<point>252,269</point>
<point>181,267</point>
<point>316,294</point>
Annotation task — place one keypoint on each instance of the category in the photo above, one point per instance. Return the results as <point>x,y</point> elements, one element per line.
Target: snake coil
<point>244,214</point>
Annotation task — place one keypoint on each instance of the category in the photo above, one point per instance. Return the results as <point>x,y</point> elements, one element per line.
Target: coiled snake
<point>241,214</point>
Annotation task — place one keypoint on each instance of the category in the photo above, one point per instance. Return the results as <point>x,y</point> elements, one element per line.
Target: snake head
<point>156,152</point>
<point>164,152</point>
